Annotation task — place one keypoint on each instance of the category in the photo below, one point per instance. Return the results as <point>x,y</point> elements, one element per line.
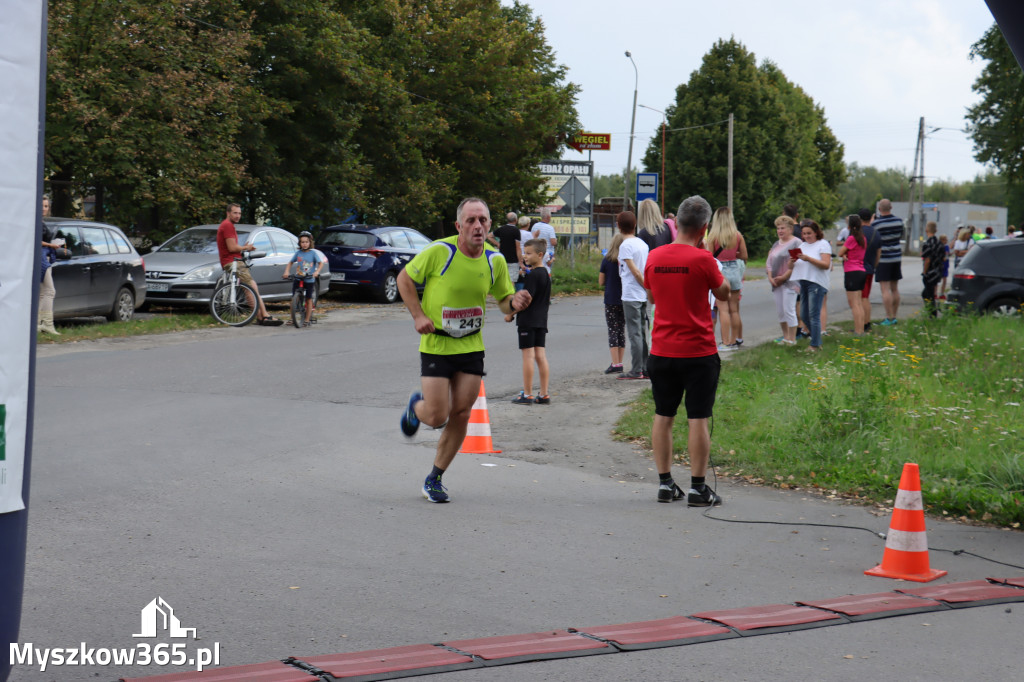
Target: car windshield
<point>354,239</point>
<point>197,240</point>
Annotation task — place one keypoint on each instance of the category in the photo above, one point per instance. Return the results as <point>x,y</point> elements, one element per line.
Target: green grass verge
<point>89,330</point>
<point>946,394</point>
<point>581,277</point>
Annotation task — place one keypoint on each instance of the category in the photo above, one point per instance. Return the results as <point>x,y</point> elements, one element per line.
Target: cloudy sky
<point>875,66</point>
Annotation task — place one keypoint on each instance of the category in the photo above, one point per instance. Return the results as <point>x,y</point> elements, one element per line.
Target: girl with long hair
<point>614,316</point>
<point>854,275</point>
<point>810,269</point>
<point>650,226</point>
<point>727,245</point>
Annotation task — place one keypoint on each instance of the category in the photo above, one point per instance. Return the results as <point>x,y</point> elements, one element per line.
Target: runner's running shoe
<point>433,490</point>
<point>410,422</point>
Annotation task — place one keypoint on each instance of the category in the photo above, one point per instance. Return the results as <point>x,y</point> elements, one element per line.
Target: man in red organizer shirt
<point>684,356</point>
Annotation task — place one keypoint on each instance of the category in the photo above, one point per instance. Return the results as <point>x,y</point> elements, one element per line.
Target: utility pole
<point>730,162</point>
<point>916,190</point>
<point>632,129</point>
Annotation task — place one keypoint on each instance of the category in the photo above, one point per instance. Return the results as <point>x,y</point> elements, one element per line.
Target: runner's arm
<point>407,289</point>
<point>515,302</point>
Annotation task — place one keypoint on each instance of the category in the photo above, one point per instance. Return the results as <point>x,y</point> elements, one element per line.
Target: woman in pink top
<point>854,275</point>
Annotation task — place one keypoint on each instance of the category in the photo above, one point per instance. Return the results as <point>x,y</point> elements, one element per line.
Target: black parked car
<point>369,257</point>
<point>990,278</point>
<point>104,276</point>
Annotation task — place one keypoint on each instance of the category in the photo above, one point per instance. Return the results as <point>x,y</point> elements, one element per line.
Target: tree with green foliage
<point>996,123</point>
<point>145,100</point>
<point>486,81</point>
<point>866,185</point>
<point>783,149</point>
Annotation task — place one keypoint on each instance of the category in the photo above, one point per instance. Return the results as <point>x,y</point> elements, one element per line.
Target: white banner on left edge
<point>20,49</point>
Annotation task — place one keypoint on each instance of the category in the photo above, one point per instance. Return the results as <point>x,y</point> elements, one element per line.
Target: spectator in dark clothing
<point>508,240</point>
<point>932,255</point>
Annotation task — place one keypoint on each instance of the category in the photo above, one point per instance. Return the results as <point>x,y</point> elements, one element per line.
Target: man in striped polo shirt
<point>888,272</point>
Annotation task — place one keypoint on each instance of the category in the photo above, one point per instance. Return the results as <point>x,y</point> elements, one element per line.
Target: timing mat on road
<point>706,626</point>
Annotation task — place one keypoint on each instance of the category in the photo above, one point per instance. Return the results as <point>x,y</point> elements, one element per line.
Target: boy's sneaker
<point>739,342</point>
<point>704,498</point>
<point>724,348</point>
<point>523,399</point>
<point>613,369</point>
<point>543,400</point>
<point>410,422</point>
<point>670,493</point>
<point>433,490</point>
<point>887,322</point>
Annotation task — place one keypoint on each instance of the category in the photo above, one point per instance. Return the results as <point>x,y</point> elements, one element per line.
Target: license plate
<point>157,286</point>
<point>337,276</point>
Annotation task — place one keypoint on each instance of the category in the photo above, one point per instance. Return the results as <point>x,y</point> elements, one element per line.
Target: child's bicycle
<point>298,305</point>
<point>233,302</point>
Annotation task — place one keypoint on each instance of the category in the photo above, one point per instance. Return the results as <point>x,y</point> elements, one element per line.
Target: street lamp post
<point>664,125</point>
<point>632,128</point>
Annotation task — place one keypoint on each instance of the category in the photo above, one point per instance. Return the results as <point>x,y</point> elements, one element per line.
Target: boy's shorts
<point>307,291</point>
<point>867,286</point>
<point>447,366</point>
<point>532,337</point>
<point>697,378</point>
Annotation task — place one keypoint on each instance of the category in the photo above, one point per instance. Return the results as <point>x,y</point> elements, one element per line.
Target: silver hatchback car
<point>184,269</point>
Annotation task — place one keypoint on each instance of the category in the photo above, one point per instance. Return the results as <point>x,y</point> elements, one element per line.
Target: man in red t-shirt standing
<point>684,356</point>
<point>227,247</point>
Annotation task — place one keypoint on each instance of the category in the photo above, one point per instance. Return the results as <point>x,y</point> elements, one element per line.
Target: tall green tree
<point>996,123</point>
<point>486,83</point>
<point>783,148</point>
<point>145,100</point>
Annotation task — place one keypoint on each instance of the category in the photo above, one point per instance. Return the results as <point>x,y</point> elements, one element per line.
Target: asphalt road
<point>256,480</point>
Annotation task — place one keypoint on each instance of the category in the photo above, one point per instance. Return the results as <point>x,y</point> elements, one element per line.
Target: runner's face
<point>475,224</point>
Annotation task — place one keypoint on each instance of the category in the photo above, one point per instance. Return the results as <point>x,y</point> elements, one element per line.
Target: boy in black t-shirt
<point>532,323</point>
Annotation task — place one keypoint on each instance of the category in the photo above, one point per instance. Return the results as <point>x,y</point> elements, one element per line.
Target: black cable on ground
<point>954,552</point>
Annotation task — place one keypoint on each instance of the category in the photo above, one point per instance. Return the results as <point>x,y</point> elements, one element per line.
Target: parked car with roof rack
<point>369,257</point>
<point>104,276</point>
<point>184,269</point>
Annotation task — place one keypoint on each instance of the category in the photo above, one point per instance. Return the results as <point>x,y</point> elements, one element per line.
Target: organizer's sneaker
<point>410,422</point>
<point>523,399</point>
<point>704,498</point>
<point>670,493</point>
<point>433,490</point>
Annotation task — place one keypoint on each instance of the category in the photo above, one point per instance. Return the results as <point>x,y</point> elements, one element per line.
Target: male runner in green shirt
<point>457,274</point>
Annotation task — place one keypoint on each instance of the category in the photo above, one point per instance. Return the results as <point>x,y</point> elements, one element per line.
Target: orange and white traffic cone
<point>478,431</point>
<point>906,545</point>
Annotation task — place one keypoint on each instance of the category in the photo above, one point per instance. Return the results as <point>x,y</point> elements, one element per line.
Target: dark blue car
<point>369,257</point>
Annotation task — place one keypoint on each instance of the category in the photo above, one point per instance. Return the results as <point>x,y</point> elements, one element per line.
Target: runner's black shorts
<point>532,337</point>
<point>854,280</point>
<point>697,378</point>
<point>447,366</point>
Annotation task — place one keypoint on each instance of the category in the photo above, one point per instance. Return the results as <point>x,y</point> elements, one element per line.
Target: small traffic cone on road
<point>906,545</point>
<point>478,431</point>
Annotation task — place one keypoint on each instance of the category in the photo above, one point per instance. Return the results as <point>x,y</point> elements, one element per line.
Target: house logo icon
<point>158,615</point>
